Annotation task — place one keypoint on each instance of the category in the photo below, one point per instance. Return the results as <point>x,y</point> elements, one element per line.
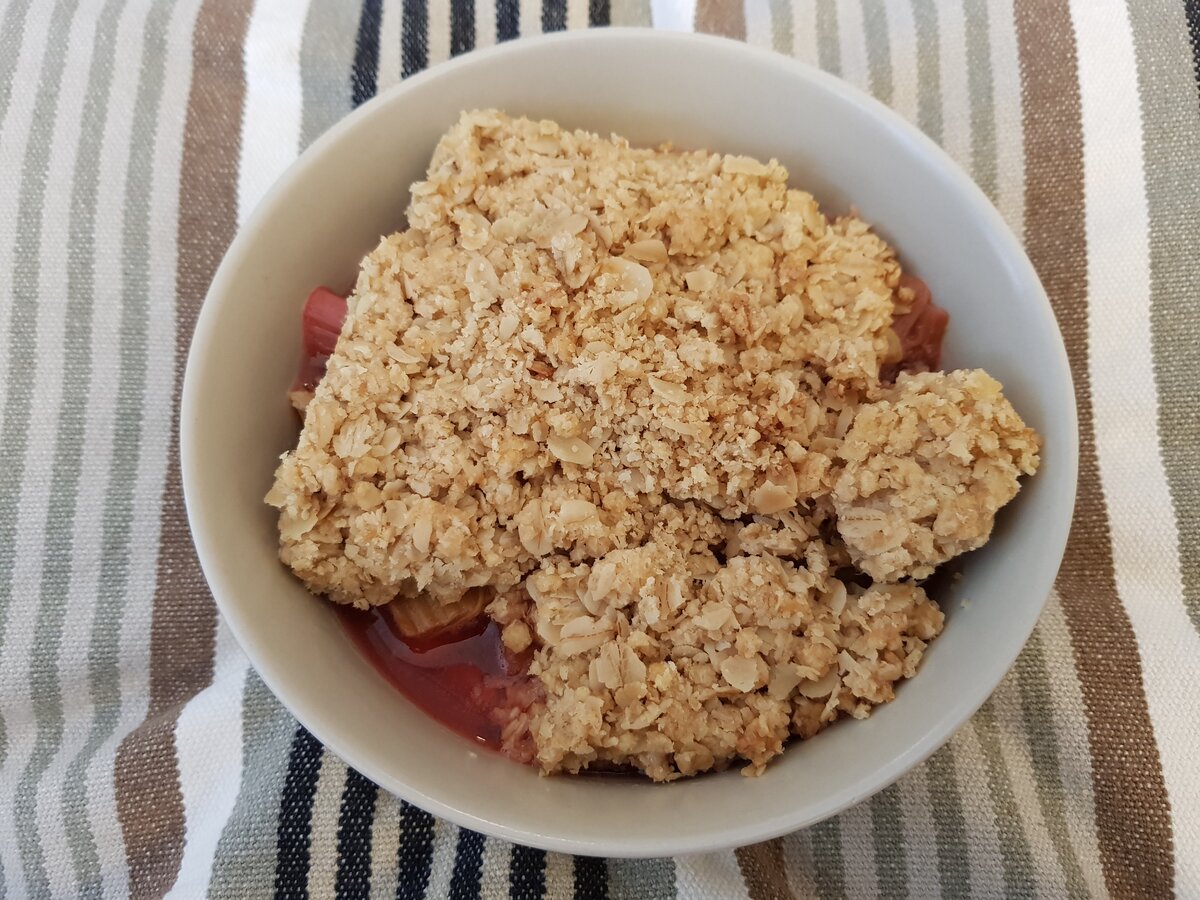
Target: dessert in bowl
<point>657,412</point>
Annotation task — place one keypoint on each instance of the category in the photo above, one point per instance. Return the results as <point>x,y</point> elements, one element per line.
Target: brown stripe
<point>1132,815</point>
<point>724,17</point>
<point>763,871</point>
<point>183,622</point>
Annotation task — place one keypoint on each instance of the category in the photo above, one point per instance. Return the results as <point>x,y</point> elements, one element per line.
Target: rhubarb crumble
<point>673,435</point>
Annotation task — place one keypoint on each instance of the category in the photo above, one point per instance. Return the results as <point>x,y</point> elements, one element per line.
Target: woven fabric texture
<point>139,753</point>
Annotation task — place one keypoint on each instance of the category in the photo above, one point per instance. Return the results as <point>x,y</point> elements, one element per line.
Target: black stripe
<point>508,19</point>
<point>414,42</point>
<point>416,852</point>
<point>554,15</point>
<point>462,26</point>
<point>468,865</point>
<point>1191,9</point>
<point>591,878</point>
<point>354,837</point>
<point>599,13</point>
<point>293,835</point>
<point>527,873</point>
<point>365,79</point>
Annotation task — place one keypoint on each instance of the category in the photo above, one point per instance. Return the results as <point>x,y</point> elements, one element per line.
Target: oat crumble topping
<point>636,393</point>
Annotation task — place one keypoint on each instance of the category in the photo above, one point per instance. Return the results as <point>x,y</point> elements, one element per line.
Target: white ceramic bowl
<point>330,208</point>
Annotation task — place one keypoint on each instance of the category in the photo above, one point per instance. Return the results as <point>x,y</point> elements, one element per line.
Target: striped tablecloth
<point>138,752</point>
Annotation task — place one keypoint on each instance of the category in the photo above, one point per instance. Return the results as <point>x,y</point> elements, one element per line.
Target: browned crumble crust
<point>625,388</point>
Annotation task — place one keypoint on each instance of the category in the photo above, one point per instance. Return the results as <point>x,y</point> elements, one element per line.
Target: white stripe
<point>983,840</point>
<point>1145,539</point>
<point>271,118</point>
<point>50,292</point>
<point>208,743</point>
<point>630,12</point>
<point>920,837</point>
<point>804,32</point>
<point>390,30</point>
<point>852,41</point>
<point>560,877</point>
<point>52,299</point>
<point>439,32</point>
<point>1010,130</point>
<point>956,95</point>
<point>577,14</point>
<point>704,875</point>
<point>493,874</point>
<point>385,846</point>
<point>673,15</point>
<point>858,851</point>
<point>327,803</point>
<point>14,137</point>
<point>758,22</point>
<point>1013,743</point>
<point>441,867</point>
<point>1071,734</point>
<point>529,15</point>
<point>902,39</point>
<point>485,24</point>
<point>134,643</point>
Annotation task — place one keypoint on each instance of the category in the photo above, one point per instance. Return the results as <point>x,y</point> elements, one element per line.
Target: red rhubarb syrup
<point>466,681</point>
<point>921,331</point>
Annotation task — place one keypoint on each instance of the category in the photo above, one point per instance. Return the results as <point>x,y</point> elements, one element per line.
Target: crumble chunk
<point>632,392</point>
<point>927,466</point>
<point>676,663</point>
<point>571,334</point>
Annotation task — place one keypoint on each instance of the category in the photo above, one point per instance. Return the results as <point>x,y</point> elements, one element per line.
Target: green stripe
<point>245,859</point>
<point>1167,85</point>
<point>781,26</point>
<point>949,824</point>
<point>980,90</point>
<point>17,400</point>
<point>879,49</point>
<point>1037,704</point>
<point>326,60</point>
<point>11,30</point>
<point>919,835</point>
<point>103,660</point>
<point>829,47</point>
<point>829,870</point>
<point>929,68</point>
<point>22,349</point>
<point>43,681</point>
<point>634,879</point>
<point>69,440</point>
<point>1016,858</point>
<point>891,860</point>
<point>626,12</point>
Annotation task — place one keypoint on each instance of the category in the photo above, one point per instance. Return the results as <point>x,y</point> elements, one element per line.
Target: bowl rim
<point>311,717</point>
